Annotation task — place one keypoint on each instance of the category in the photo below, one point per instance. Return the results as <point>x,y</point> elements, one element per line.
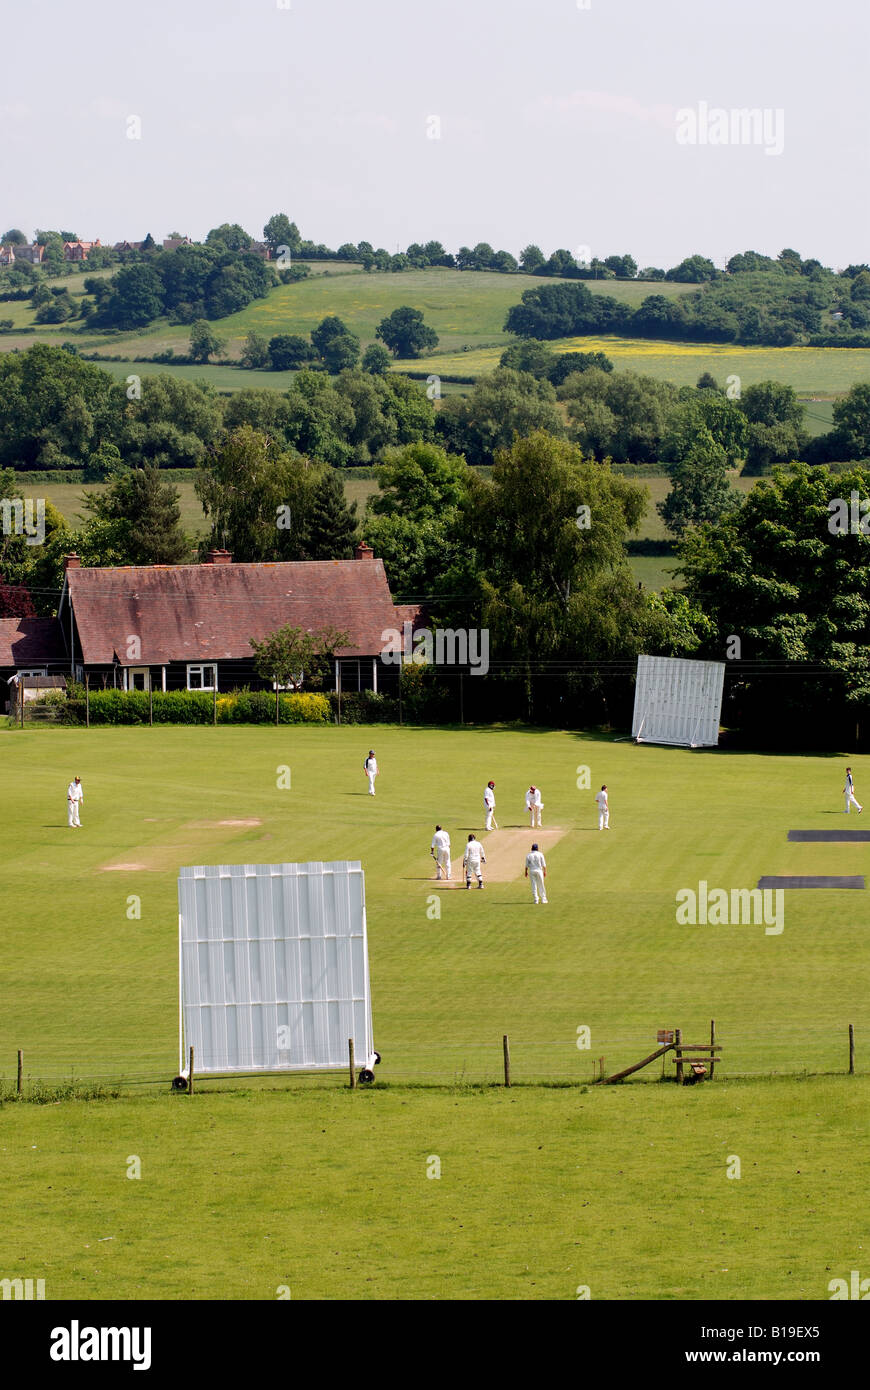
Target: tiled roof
<point>210,611</point>
<point>30,641</point>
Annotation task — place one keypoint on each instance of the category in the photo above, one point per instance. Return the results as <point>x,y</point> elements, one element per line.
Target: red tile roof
<point>30,641</point>
<point>195,612</point>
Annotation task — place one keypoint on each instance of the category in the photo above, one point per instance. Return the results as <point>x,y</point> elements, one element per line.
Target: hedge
<point>195,707</point>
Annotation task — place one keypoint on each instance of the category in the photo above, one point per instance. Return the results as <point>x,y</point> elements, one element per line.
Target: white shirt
<point>601,798</point>
<point>440,840</point>
<point>74,792</point>
<point>535,860</point>
<point>488,796</point>
<point>473,853</point>
<point>533,798</point>
<point>849,783</point>
<point>372,765</point>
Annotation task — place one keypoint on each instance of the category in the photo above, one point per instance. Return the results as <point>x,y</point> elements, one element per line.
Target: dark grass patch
<point>812,881</point>
<point>812,836</point>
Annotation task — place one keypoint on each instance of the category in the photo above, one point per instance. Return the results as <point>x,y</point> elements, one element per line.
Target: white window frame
<point>202,666</point>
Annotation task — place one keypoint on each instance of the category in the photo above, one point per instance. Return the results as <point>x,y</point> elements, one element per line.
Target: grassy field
<point>464,307</point>
<point>467,309</point>
<point>809,370</point>
<point>541,1190</point>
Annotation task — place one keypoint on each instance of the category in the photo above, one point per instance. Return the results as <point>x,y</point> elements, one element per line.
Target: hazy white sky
<point>557,122</point>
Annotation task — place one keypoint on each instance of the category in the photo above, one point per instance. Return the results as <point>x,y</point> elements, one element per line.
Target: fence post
<point>851,1049</point>
<point>678,1046</point>
<point>602,1070</point>
<point>351,1064</point>
<point>507,1059</point>
<point>190,1073</point>
<point>214,702</point>
<point>20,1070</point>
<point>150,703</point>
<point>87,701</point>
<point>461,699</point>
<point>712,1045</point>
<point>276,702</point>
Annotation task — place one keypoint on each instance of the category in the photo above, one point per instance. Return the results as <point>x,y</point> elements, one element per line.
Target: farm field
<point>809,370</point>
<point>542,1189</point>
<point>464,307</point>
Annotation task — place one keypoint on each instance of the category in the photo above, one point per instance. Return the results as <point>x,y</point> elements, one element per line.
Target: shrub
<point>193,707</point>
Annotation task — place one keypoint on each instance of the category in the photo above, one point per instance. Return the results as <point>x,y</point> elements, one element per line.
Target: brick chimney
<point>71,562</point>
<point>363,552</point>
<point>218,557</point>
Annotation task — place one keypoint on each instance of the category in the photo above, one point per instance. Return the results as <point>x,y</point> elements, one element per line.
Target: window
<point>203,677</point>
<point>139,678</point>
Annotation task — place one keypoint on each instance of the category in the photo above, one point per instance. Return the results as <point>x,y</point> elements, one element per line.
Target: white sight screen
<point>677,701</point>
<point>273,963</point>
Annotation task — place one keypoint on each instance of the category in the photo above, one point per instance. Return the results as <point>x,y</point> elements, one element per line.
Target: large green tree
<point>786,576</point>
<point>257,497</point>
<point>405,334</point>
<point>499,407</point>
<point>146,516</point>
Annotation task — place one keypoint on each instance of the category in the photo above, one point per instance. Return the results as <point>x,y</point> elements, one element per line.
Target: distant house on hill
<point>33,254</point>
<point>261,249</point>
<point>78,250</point>
<point>7,255</point>
<point>127,246</point>
<point>172,243</point>
<point>188,627</point>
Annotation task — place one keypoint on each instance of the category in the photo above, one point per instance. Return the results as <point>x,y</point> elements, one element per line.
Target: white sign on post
<point>273,967</point>
<point>678,701</point>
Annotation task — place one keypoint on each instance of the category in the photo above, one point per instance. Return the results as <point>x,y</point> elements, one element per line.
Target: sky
<point>595,125</point>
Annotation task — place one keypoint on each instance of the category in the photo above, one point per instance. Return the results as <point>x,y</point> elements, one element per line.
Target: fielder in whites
<point>534,806</point>
<point>371,770</point>
<point>489,806</point>
<point>603,809</point>
<point>849,793</point>
<point>440,848</point>
<point>472,859</point>
<point>536,872</point>
<point>74,798</point>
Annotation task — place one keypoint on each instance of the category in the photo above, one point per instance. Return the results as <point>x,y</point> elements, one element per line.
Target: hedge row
<point>195,707</point>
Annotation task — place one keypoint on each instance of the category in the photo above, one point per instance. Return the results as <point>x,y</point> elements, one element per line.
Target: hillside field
<point>542,1190</point>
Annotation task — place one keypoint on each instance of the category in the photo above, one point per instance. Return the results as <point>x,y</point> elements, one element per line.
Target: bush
<point>364,707</point>
<point>193,707</point>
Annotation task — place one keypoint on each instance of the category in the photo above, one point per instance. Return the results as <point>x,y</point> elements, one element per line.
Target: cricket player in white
<point>534,806</point>
<point>489,805</point>
<point>472,859</point>
<point>441,851</point>
<point>849,793</point>
<point>603,809</point>
<point>74,798</point>
<point>371,767</point>
<point>536,871</point>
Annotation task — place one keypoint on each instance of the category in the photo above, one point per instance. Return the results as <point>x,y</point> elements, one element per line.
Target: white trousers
<point>539,888</point>
<point>371,776</point>
<point>73,813</point>
<point>604,818</point>
<point>850,801</point>
<point>473,867</point>
<point>490,812</point>
<point>535,815</point>
<point>442,861</point>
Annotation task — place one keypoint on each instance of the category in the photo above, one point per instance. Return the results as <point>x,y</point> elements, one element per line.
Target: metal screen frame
<point>273,967</point>
<point>677,701</point>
